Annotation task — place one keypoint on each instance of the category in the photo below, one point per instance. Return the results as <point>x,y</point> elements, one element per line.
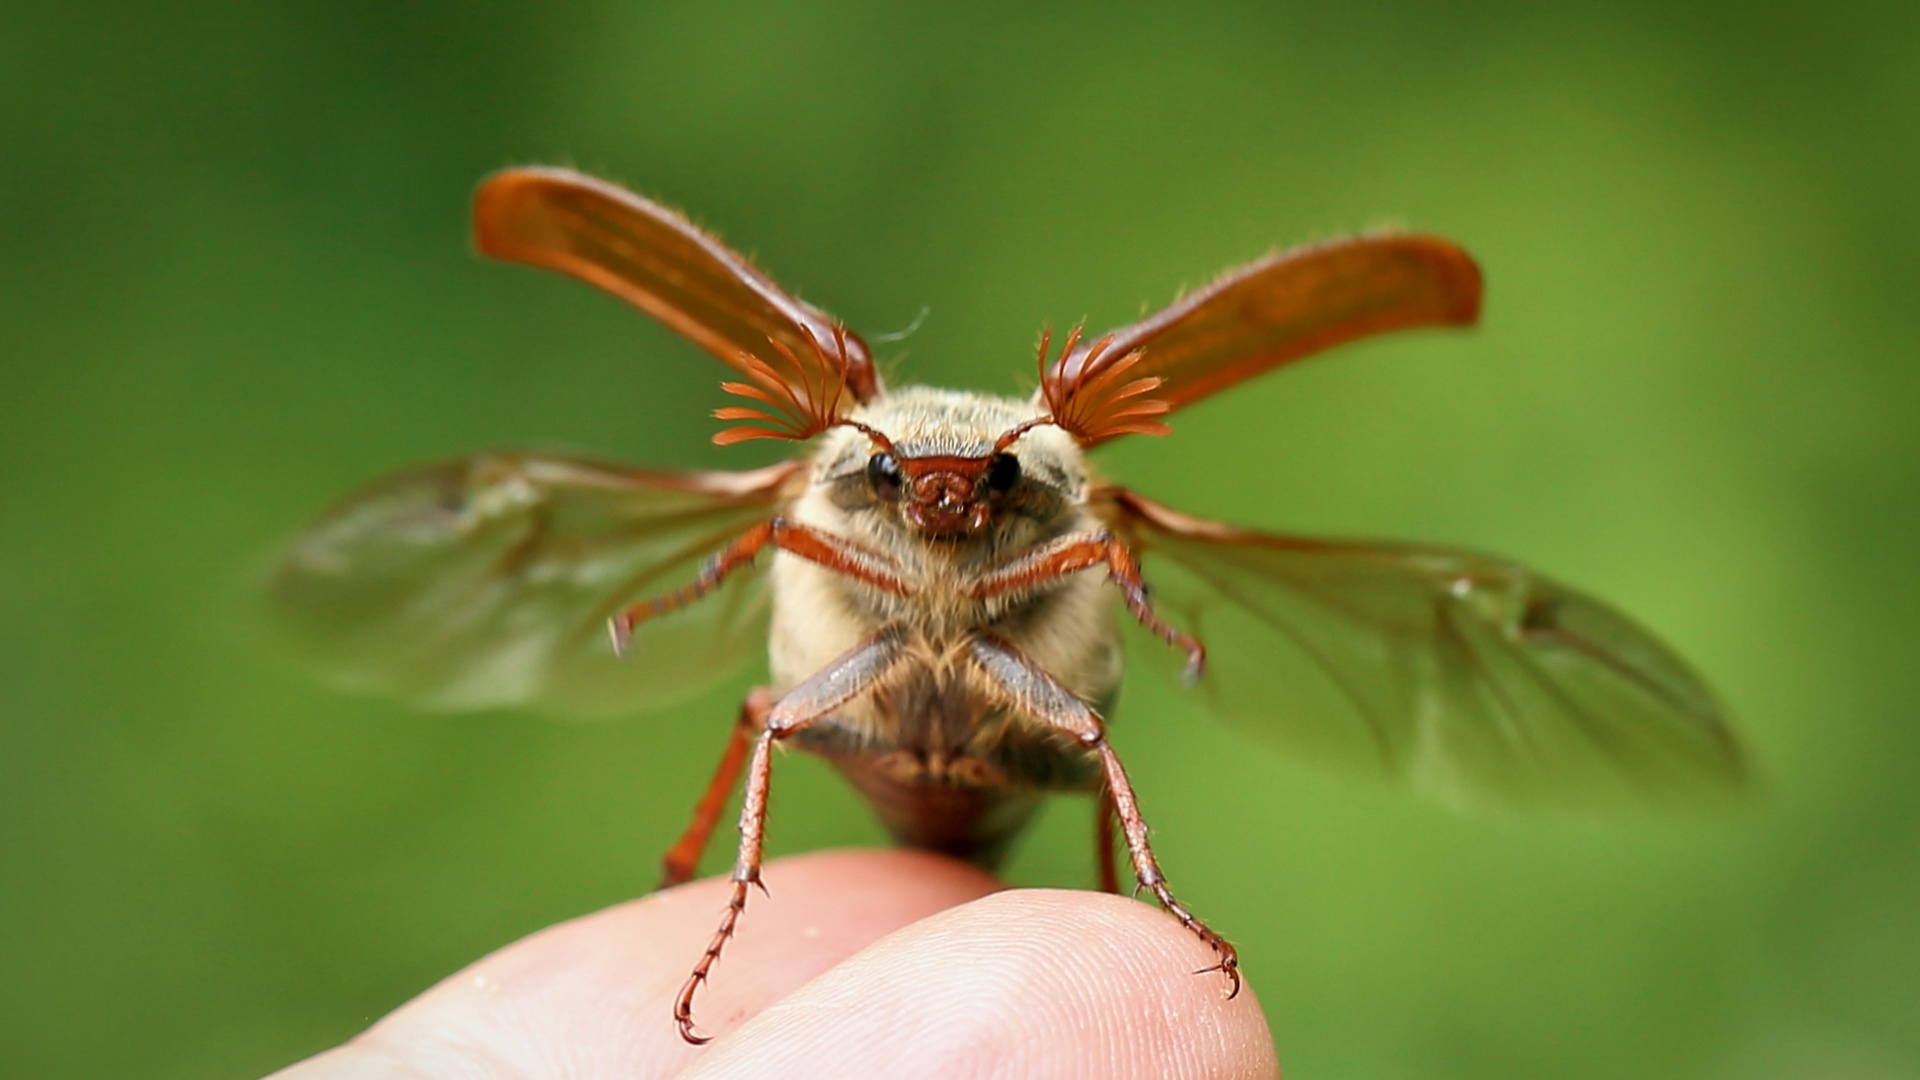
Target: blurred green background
<point>235,281</point>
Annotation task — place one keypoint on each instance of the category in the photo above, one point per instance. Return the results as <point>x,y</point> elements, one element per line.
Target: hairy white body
<point>936,719</point>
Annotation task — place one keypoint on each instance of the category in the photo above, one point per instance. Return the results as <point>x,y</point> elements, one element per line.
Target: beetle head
<point>953,466</point>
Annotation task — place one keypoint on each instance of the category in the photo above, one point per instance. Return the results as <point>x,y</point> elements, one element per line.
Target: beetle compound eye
<point>883,474</point>
<point>1003,472</point>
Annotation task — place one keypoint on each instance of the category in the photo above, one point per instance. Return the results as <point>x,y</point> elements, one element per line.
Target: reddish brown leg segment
<point>1103,841</point>
<point>746,872</point>
<point>809,543</point>
<point>1079,551</point>
<point>848,676</point>
<point>678,865</point>
<point>1124,570</point>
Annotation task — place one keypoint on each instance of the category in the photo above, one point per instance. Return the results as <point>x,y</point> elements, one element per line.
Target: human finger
<point>593,997</point>
<point>1029,983</point>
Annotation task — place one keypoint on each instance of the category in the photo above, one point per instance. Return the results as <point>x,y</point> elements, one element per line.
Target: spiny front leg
<point>1075,552</point>
<point>1042,697</point>
<point>810,543</point>
<point>849,675</point>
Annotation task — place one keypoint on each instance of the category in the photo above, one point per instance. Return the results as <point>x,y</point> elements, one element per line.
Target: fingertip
<point>1030,983</point>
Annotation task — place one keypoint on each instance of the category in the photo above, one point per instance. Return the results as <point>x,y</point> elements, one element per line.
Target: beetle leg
<point>849,675</point>
<point>1147,871</point>
<point>809,543</point>
<point>1041,696</point>
<point>841,555</point>
<point>1075,552</point>
<point>1103,840</point>
<point>683,858</point>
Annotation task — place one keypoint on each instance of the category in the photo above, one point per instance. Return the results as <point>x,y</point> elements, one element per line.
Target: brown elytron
<point>942,610</point>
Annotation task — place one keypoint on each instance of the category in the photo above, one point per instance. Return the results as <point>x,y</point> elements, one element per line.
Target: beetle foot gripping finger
<point>1229,964</point>
<point>1146,869</point>
<point>730,918</point>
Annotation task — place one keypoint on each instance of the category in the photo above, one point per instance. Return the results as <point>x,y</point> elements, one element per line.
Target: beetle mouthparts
<point>944,496</point>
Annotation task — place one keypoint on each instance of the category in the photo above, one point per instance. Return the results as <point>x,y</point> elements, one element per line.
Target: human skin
<point>874,964</point>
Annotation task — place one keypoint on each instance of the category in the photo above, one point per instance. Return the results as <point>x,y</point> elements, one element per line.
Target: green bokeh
<point>235,281</point>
